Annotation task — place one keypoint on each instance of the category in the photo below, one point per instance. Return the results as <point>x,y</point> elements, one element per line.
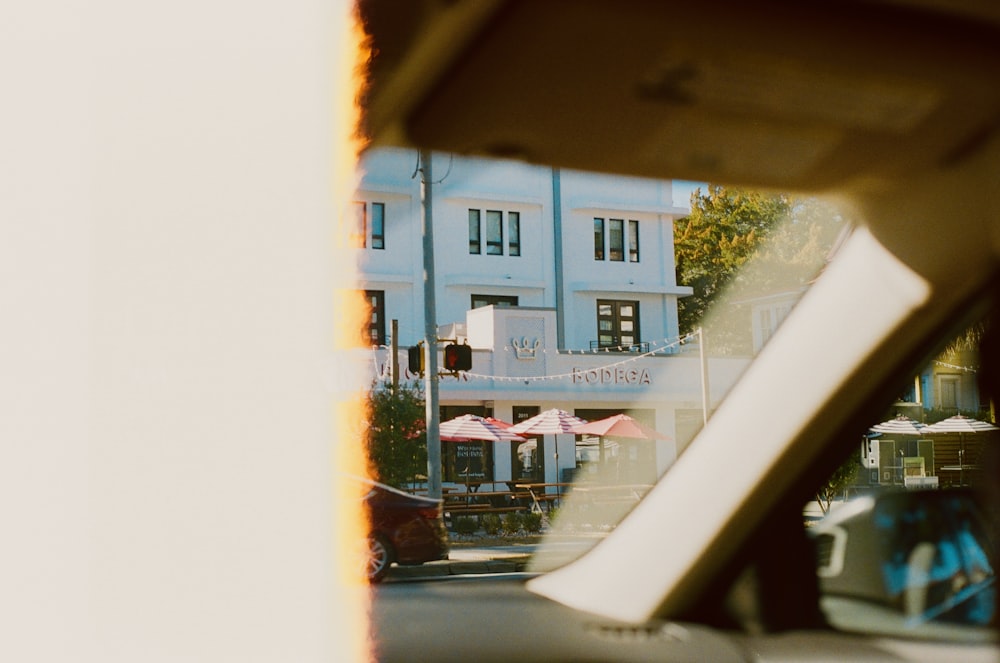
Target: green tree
<point>396,435</point>
<point>838,483</point>
<point>721,250</point>
<point>724,229</point>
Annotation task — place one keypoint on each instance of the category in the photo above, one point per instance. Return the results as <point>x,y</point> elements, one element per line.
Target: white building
<point>564,284</point>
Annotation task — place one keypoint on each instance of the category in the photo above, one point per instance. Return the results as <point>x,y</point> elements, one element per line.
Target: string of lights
<point>953,367</point>
<point>658,348</point>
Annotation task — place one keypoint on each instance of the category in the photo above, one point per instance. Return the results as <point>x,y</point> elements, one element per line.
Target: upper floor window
<point>358,231</point>
<point>514,233</point>
<point>494,233</point>
<point>611,241</point>
<point>367,218</point>
<point>378,225</point>
<point>495,230</point>
<point>616,239</point>
<point>766,325</point>
<point>599,239</point>
<point>475,242</point>
<point>633,240</point>
<point>479,301</point>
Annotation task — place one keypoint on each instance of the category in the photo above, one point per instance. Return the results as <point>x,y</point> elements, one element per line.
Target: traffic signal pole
<point>433,410</point>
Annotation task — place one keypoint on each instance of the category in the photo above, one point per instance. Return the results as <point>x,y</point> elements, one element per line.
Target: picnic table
<point>540,495</point>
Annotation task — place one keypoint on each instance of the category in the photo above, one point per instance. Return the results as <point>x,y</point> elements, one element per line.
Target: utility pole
<point>557,237</point>
<point>395,355</point>
<point>433,410</point>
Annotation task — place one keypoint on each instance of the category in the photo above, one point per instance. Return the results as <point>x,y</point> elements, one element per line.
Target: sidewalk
<point>466,560</point>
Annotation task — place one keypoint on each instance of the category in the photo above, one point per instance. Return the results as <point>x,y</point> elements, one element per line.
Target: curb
<point>454,568</point>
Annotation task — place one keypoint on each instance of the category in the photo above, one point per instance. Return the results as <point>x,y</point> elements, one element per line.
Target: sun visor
<point>715,91</point>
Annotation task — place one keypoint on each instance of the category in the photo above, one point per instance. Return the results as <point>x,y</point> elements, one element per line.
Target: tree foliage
<point>838,483</point>
<point>744,244</point>
<point>396,435</point>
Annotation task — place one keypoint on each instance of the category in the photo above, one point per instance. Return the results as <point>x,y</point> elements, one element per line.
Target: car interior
<point>181,383</point>
<point>889,109</point>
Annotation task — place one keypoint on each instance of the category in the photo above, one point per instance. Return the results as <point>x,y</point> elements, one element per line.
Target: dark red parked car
<point>403,529</point>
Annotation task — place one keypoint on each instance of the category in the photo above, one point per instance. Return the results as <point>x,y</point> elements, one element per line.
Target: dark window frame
<point>599,238</point>
<point>633,240</point>
<point>358,233</point>
<point>616,240</point>
<point>475,232</point>
<point>378,225</point>
<point>494,300</point>
<point>494,232</point>
<point>611,325</point>
<point>514,233</point>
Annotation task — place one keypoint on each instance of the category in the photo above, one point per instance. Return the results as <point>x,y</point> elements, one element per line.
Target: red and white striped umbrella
<point>620,425</point>
<point>472,427</point>
<point>499,422</point>
<point>550,422</point>
<point>960,424</point>
<point>900,425</point>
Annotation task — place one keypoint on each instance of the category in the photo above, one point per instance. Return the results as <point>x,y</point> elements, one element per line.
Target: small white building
<point>564,284</point>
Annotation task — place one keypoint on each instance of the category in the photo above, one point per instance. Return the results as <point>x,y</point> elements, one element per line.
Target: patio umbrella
<point>618,425</point>
<point>473,427</point>
<point>499,423</point>
<point>549,422</point>
<point>962,425</point>
<point>900,425</point>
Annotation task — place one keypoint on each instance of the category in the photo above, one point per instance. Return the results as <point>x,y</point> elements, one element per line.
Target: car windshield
<point>586,328</point>
<point>604,318</point>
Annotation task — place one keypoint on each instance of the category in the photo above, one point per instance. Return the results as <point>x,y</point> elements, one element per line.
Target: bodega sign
<point>612,375</point>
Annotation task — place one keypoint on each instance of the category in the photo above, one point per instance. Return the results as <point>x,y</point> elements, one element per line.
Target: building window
<point>358,230</point>
<point>598,239</point>
<point>616,240</point>
<point>617,324</point>
<point>613,234</point>
<point>766,326</point>
<point>376,318</point>
<point>527,459</point>
<point>378,225</point>
<point>514,233</point>
<point>479,301</point>
<point>475,246</point>
<point>494,233</point>
<point>357,233</point>
<point>949,392</point>
<point>633,241</point>
<point>466,461</point>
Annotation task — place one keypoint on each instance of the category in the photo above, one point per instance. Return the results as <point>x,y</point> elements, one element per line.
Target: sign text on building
<point>612,375</point>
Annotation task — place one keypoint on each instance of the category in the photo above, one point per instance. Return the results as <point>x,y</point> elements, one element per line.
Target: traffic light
<point>457,357</point>
<point>415,358</point>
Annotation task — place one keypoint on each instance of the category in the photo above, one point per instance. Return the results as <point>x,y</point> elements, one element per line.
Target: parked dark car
<point>403,528</point>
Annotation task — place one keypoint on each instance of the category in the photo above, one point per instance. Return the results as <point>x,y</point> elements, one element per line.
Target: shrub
<point>513,522</point>
<point>464,525</point>
<point>533,521</point>
<point>491,523</point>
<point>553,513</point>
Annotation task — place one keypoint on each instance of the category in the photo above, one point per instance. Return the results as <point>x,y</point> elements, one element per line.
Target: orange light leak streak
<point>352,597</point>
